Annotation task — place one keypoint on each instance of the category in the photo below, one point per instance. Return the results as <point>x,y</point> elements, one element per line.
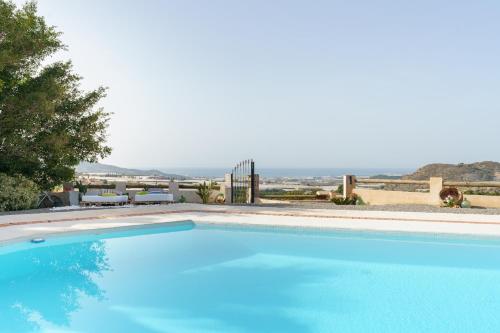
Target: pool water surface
<point>198,278</point>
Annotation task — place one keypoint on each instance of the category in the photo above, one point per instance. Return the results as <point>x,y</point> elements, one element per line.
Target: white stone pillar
<point>226,188</point>
<point>173,188</point>
<point>435,187</point>
<point>120,187</point>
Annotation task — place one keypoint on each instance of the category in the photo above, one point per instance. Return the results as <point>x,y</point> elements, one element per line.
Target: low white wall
<point>192,197</point>
<point>488,201</point>
<point>382,197</point>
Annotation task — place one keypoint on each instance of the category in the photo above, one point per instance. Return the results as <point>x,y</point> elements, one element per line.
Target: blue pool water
<point>201,279</point>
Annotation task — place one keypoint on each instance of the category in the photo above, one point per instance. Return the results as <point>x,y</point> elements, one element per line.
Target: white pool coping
<point>27,226</point>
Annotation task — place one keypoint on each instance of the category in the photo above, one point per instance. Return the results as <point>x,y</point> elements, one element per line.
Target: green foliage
<point>17,193</point>
<point>204,191</point>
<point>450,202</point>
<point>82,188</point>
<point>291,197</point>
<point>182,199</point>
<point>482,192</point>
<point>299,194</point>
<point>340,189</point>
<point>351,200</point>
<point>47,124</point>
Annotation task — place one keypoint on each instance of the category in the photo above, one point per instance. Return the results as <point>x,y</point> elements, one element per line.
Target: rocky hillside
<point>480,171</point>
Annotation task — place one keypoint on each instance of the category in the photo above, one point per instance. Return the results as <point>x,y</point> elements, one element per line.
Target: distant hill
<point>480,171</point>
<point>86,167</point>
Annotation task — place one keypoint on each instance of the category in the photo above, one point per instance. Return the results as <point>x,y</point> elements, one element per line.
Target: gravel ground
<point>394,208</point>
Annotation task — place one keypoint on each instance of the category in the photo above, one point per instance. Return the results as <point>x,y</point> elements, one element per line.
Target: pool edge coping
<point>350,219</point>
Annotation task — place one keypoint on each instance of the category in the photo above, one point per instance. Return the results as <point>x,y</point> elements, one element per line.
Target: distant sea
<point>289,172</point>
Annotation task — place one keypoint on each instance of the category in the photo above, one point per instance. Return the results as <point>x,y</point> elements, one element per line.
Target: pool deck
<point>26,226</point>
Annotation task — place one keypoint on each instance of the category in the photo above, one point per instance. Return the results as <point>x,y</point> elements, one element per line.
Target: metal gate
<point>243,183</point>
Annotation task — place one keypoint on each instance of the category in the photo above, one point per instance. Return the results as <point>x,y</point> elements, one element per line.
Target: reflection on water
<point>46,286</point>
<point>233,281</point>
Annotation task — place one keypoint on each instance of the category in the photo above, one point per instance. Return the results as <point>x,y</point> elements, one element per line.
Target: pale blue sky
<point>290,83</point>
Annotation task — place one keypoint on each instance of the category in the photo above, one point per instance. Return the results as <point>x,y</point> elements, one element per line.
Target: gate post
<point>173,188</point>
<point>232,187</point>
<point>349,185</point>
<point>252,182</point>
<point>255,189</point>
<point>435,187</point>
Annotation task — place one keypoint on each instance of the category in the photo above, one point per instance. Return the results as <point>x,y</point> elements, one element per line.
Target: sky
<point>365,84</point>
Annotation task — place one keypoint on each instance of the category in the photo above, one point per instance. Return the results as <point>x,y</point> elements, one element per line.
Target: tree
<point>47,123</point>
<point>17,193</point>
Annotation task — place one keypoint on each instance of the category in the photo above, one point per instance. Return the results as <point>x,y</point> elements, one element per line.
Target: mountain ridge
<point>479,171</point>
<point>86,167</point>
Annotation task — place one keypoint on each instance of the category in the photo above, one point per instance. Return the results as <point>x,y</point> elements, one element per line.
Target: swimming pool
<point>201,278</point>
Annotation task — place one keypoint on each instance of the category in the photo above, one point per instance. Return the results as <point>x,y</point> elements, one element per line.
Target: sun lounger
<point>104,200</point>
<point>154,198</point>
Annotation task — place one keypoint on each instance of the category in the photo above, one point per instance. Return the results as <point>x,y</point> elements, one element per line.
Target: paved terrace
<point>26,226</point>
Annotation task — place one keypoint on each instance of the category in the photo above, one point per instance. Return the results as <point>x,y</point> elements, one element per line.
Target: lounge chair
<point>104,199</point>
<point>153,196</point>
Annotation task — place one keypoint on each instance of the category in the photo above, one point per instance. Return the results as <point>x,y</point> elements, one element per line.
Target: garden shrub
<point>204,191</point>
<point>17,193</point>
<point>350,200</point>
<point>340,189</point>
